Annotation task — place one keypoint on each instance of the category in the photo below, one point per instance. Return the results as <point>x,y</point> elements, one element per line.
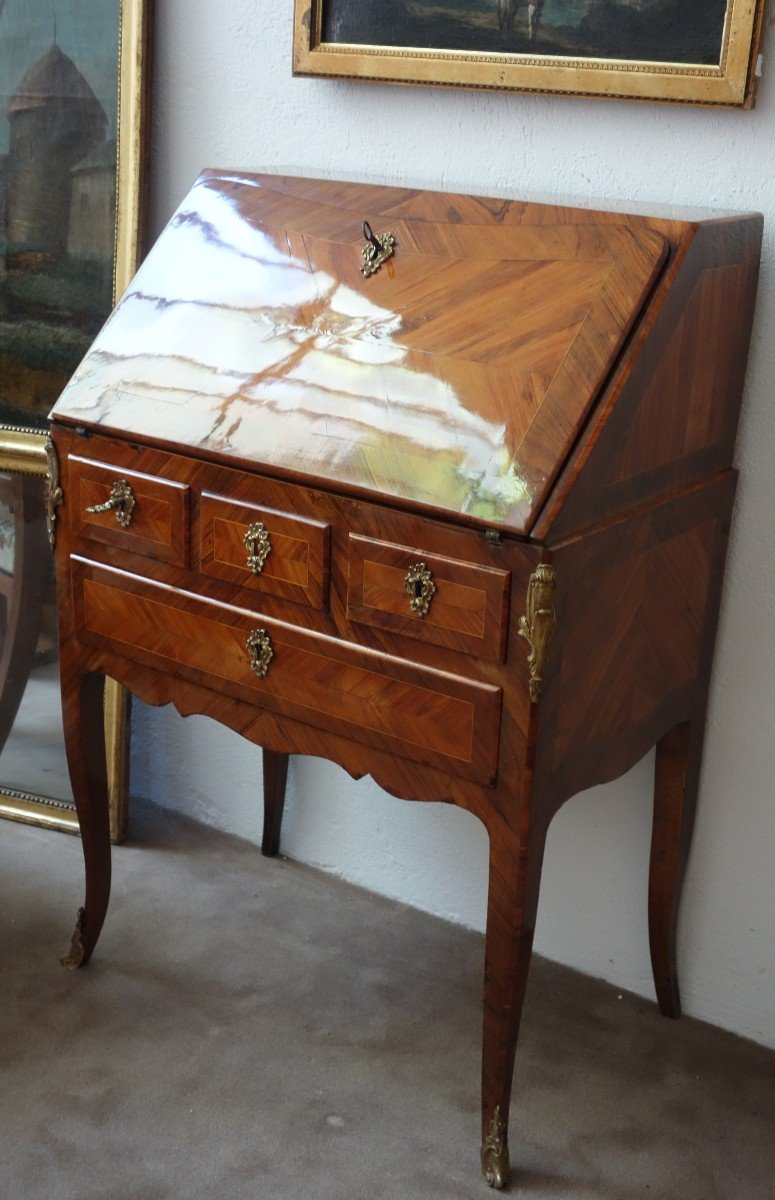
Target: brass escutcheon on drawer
<point>121,502</point>
<point>258,546</point>
<point>260,652</point>
<point>419,586</point>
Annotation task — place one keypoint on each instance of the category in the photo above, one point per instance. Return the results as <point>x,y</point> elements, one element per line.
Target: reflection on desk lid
<point>455,378</point>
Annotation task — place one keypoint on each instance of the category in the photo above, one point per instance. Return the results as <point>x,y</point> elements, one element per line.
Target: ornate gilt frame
<point>732,83</point>
<point>24,450</point>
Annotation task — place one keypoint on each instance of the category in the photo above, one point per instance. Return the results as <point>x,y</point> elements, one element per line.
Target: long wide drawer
<point>415,712</point>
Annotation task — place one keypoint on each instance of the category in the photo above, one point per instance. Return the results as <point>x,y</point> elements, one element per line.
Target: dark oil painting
<point>676,31</point>
<point>58,106</point>
<point>58,112</point>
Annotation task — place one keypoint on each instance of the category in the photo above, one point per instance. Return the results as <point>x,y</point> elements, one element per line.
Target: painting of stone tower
<point>57,196</point>
<point>55,120</point>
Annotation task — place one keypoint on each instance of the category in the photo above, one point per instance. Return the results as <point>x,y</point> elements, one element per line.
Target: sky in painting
<point>87,31</point>
<point>564,12</point>
<point>567,12</point>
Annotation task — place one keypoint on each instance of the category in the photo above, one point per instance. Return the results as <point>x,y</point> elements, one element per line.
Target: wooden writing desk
<point>456,519</point>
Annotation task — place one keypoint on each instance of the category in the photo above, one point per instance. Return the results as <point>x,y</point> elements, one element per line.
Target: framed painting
<point>697,51</point>
<point>73,101</point>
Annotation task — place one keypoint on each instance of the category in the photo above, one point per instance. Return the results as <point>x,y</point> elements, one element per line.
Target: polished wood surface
<point>468,609</point>
<point>617,459</point>
<point>411,711</point>
<point>458,376</point>
<point>669,416</point>
<point>159,522</point>
<point>297,562</point>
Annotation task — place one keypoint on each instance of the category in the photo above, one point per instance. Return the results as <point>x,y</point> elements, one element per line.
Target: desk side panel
<point>670,415</point>
<point>637,610</point>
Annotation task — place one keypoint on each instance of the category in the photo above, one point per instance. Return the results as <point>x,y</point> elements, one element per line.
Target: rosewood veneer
<point>436,487</point>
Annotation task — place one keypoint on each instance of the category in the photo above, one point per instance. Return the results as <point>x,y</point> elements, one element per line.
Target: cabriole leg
<point>83,714</point>
<point>275,779</point>
<point>676,783</point>
<point>515,874</point>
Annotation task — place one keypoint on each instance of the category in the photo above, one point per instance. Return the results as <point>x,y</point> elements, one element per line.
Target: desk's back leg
<point>676,784</point>
<point>83,714</point>
<point>275,779</point>
<point>515,874</point>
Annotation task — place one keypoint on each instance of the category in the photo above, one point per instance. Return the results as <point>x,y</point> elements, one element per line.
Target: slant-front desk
<point>433,486</point>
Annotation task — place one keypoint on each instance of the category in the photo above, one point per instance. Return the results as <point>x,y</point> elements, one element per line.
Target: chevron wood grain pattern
<point>160,519</point>
<point>521,384</point>
<point>415,711</point>
<point>456,378</point>
<point>653,579</point>
<point>297,566</point>
<point>669,417</point>
<point>468,610</point>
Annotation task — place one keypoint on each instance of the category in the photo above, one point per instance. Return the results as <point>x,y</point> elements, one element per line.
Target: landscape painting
<point>640,30</point>
<point>701,51</point>
<point>59,64</point>
<point>681,31</point>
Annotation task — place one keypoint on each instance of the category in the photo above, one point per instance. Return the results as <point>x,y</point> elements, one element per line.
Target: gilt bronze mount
<point>258,546</point>
<point>538,624</point>
<point>419,586</point>
<point>495,1153</point>
<point>75,955</point>
<point>260,651</point>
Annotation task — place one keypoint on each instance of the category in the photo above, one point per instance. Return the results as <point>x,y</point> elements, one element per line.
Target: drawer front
<point>293,552</point>
<point>158,522</point>
<point>467,611</point>
<point>418,713</point>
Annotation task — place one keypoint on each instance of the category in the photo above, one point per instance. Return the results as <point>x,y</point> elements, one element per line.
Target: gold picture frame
<point>24,450</point>
<point>732,82</point>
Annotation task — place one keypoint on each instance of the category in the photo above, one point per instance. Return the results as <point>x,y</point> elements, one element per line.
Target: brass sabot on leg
<point>495,1153</point>
<point>75,956</point>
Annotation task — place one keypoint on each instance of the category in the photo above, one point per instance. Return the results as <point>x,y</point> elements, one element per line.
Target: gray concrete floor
<point>255,1029</point>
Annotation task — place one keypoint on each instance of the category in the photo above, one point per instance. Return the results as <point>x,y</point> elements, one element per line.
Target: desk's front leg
<point>515,875</point>
<point>83,714</point>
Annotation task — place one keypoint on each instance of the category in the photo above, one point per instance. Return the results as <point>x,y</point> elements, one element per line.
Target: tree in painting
<point>679,31</point>
<point>57,200</point>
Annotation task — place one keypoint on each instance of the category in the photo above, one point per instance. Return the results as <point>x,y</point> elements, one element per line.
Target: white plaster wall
<point>224,97</point>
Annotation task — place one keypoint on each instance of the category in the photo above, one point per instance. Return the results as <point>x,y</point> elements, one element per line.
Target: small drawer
<point>290,554</point>
<point>465,607</point>
<point>153,521</point>
<point>428,716</point>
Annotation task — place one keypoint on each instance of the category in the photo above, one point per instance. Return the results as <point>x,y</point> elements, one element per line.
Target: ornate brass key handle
<point>258,546</point>
<point>419,585</point>
<point>378,251</point>
<point>260,651</point>
<point>121,502</point>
